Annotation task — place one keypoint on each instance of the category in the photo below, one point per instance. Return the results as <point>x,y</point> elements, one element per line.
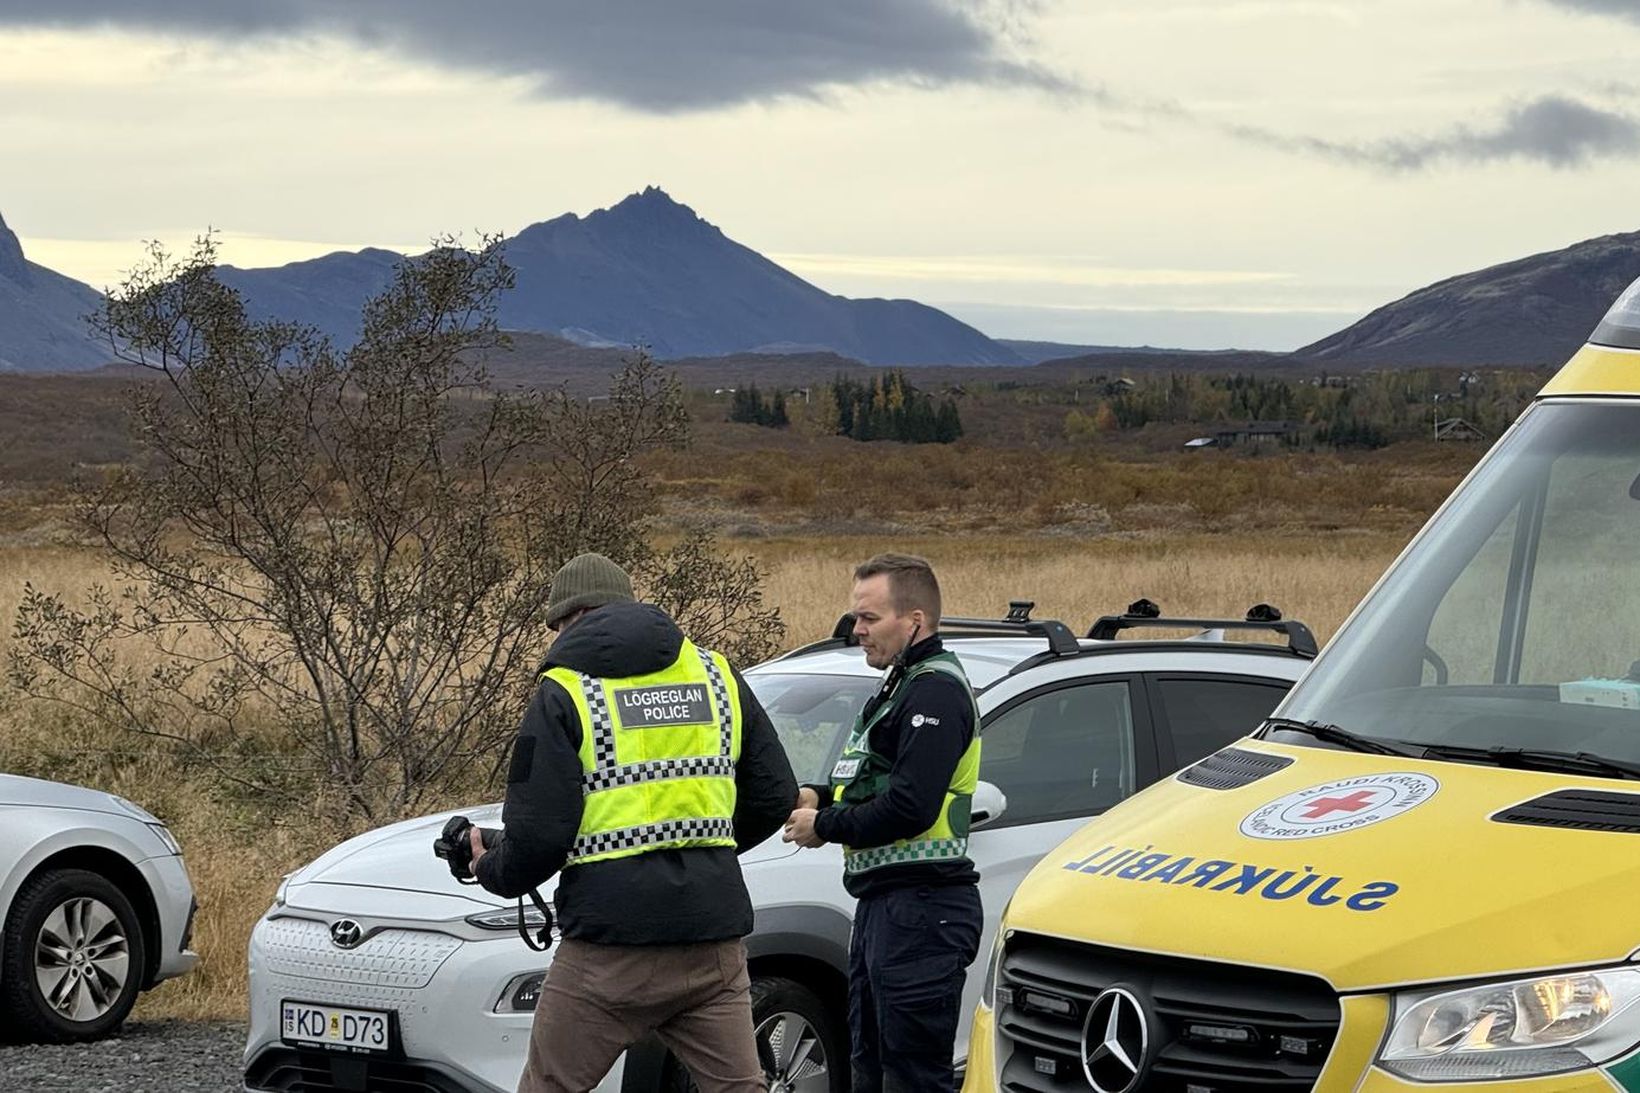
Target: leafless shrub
<point>346,555</point>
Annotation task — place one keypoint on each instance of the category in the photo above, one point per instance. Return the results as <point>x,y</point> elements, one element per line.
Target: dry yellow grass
<point>1317,579</point>
<point>235,858</point>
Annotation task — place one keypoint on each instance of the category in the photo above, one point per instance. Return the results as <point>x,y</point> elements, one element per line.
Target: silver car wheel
<point>81,959</point>
<point>794,1050</point>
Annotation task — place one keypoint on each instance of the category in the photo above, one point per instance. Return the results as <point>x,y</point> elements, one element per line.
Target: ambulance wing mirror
<point>988,805</point>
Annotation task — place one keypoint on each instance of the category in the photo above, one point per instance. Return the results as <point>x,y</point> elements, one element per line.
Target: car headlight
<point>1519,1029</point>
<point>280,892</point>
<point>166,837</point>
<point>521,995</point>
<point>134,809</point>
<point>508,920</point>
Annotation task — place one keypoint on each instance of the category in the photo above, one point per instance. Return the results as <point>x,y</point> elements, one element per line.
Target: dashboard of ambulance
<point>1509,632</point>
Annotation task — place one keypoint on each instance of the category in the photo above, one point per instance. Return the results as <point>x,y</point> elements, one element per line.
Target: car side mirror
<point>988,805</point>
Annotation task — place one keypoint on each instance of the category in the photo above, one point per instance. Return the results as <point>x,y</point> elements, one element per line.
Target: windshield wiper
<point>1568,762</point>
<point>1344,738</point>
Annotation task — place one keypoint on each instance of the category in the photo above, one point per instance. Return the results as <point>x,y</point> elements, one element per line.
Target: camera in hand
<point>455,846</point>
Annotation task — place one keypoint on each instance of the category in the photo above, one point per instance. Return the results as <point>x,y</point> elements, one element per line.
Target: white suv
<point>374,969</point>
<point>96,906</point>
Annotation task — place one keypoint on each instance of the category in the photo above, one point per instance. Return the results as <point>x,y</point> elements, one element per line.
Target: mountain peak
<point>13,265</point>
<point>653,204</point>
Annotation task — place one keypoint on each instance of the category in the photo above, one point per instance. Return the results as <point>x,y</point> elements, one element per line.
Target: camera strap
<point>542,941</point>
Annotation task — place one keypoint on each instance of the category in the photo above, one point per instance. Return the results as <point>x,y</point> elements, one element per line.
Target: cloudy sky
<point>1173,172</point>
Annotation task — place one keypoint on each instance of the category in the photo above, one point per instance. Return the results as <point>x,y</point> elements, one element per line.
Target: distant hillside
<point>1034,352</point>
<point>647,271</point>
<point>1115,361</point>
<point>324,292</point>
<point>42,315</point>
<point>1532,311</point>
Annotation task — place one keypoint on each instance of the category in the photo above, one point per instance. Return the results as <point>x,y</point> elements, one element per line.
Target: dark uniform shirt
<point>924,757</point>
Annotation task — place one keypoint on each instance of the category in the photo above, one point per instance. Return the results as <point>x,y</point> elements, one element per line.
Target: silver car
<point>97,906</point>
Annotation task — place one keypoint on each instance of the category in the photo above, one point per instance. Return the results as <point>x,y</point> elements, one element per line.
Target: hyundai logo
<point>346,934</point>
<point>1115,1038</point>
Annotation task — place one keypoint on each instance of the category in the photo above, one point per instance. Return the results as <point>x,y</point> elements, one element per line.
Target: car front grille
<point>290,1070</point>
<point>405,959</point>
<point>1212,1027</point>
<point>294,958</point>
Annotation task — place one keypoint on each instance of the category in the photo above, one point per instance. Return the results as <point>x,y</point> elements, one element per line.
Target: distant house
<point>1254,433</point>
<point>1456,428</point>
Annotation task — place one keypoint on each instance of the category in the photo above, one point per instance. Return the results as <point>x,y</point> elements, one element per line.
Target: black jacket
<point>924,740</point>
<point>663,897</point>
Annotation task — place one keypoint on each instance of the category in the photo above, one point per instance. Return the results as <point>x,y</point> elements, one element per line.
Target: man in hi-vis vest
<point>898,802</point>
<point>644,765</point>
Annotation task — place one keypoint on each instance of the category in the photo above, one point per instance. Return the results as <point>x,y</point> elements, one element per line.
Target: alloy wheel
<point>793,1055</point>
<point>81,959</point>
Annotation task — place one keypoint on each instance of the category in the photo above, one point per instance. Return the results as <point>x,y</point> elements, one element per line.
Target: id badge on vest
<point>846,769</point>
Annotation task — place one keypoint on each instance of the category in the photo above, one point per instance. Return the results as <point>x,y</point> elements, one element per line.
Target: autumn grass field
<point>236,854</point>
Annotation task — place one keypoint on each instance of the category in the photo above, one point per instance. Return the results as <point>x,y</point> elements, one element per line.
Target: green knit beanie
<point>586,580</point>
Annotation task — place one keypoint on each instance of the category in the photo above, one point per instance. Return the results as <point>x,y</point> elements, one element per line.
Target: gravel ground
<point>147,1057</point>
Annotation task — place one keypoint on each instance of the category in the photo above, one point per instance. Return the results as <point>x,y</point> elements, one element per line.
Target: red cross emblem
<point>1326,806</point>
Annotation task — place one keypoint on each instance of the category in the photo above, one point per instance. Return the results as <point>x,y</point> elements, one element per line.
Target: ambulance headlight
<point>1519,1029</point>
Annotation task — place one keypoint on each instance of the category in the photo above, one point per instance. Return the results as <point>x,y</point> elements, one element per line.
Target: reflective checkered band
<point>706,766</point>
<point>603,726</point>
<point>720,699</point>
<point>923,850</point>
<point>648,835</point>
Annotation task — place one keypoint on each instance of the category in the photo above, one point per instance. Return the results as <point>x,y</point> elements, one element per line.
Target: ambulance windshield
<point>1621,326</point>
<point>1514,622</point>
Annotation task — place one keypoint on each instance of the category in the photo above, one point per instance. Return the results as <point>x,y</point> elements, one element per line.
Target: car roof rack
<point>1017,623</point>
<point>1143,614</point>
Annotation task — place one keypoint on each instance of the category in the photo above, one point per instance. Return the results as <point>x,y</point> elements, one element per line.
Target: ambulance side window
<point>1064,752</point>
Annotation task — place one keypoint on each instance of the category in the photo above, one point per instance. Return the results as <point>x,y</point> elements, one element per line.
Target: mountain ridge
<point>1536,310</point>
<point>646,271</point>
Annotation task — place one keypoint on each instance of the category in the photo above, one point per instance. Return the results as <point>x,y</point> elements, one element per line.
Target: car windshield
<point>812,714</point>
<point>1513,622</point>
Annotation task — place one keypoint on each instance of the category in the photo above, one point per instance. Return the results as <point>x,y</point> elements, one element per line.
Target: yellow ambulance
<point>1424,869</point>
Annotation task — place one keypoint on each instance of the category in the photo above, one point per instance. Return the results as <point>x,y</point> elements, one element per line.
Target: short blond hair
<point>912,585</point>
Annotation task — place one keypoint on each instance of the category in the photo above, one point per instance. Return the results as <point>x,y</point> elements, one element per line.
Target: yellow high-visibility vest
<point>658,755</point>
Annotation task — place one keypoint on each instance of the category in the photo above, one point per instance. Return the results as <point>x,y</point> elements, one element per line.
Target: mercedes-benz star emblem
<point>345,933</point>
<point>1115,1038</point>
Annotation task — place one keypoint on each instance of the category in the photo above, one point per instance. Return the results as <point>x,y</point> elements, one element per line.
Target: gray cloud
<point>1552,129</point>
<point>657,56</point>
<point>1627,9</point>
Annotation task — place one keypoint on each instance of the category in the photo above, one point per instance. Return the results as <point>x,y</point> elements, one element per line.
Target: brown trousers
<point>598,1000</point>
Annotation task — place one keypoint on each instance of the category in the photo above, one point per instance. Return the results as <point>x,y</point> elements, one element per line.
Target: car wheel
<point>802,1045</point>
<point>74,957</point>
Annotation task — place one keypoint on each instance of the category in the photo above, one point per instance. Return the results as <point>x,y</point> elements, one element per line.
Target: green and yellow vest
<point>861,774</point>
<point>658,756</point>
